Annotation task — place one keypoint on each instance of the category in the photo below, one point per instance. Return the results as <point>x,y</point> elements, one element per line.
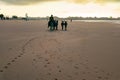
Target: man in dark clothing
<point>51,23</point>
<point>66,25</point>
<point>62,24</point>
<point>51,18</point>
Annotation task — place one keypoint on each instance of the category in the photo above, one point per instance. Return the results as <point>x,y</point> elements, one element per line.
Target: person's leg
<point>57,27</point>
<point>62,27</point>
<point>65,28</point>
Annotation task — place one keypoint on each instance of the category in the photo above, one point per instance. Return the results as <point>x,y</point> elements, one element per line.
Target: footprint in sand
<point>76,67</point>
<point>5,67</point>
<point>46,59</point>
<point>33,53</point>
<point>10,48</point>
<point>60,71</point>
<point>15,58</point>
<point>19,55</point>
<point>13,61</point>
<point>40,57</point>
<point>83,72</point>
<point>1,70</point>
<point>48,62</point>
<point>45,66</point>
<point>34,59</point>
<point>8,63</point>
<point>99,77</point>
<point>46,52</point>
<point>96,72</point>
<point>108,74</point>
<point>55,79</point>
<point>86,60</point>
<point>58,67</point>
<point>88,72</point>
<point>49,73</point>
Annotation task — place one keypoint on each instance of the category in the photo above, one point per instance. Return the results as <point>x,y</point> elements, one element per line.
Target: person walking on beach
<point>26,15</point>
<point>62,24</point>
<point>51,23</point>
<point>66,25</point>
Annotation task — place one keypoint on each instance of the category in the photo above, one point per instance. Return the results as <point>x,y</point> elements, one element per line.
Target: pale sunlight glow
<point>62,9</point>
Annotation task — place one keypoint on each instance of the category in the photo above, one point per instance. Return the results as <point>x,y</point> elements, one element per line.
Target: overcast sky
<point>61,8</point>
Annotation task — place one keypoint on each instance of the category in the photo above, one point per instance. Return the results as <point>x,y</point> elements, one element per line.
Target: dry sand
<point>86,51</point>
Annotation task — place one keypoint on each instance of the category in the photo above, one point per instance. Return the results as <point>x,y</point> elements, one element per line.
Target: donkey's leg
<point>50,28</point>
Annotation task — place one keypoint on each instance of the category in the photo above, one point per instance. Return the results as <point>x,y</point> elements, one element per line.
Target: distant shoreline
<point>60,18</point>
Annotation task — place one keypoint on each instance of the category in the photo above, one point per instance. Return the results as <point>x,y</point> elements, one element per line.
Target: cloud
<point>24,2</point>
<point>95,1</point>
<point>79,1</point>
<point>28,2</point>
<point>106,1</point>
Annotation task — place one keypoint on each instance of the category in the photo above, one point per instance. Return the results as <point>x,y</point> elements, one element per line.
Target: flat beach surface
<point>86,51</point>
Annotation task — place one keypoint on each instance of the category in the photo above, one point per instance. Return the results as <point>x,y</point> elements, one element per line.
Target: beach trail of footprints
<point>56,54</point>
<point>94,71</point>
<point>17,57</point>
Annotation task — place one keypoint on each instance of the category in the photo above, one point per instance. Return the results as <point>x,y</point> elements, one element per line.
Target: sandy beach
<point>86,51</point>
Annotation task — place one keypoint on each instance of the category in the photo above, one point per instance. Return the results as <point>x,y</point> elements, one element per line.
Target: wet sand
<point>86,51</point>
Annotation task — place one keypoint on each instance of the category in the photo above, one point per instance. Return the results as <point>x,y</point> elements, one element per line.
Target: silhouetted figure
<point>1,16</point>
<point>62,24</point>
<point>51,18</point>
<point>66,25</point>
<point>26,15</point>
<point>56,24</point>
<point>51,23</point>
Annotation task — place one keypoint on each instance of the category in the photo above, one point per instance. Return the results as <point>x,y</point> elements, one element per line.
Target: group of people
<point>64,25</point>
<point>53,24</point>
